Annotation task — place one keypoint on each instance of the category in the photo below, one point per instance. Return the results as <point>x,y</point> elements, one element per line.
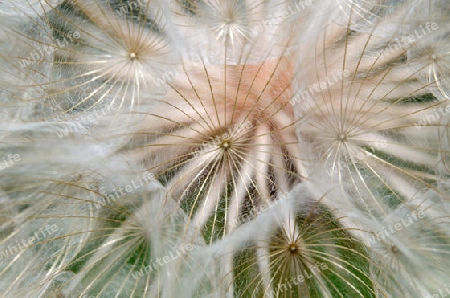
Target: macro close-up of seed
<point>224,148</point>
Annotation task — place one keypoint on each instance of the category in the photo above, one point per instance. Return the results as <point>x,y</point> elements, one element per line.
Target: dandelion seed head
<point>223,109</point>
<point>293,248</point>
<point>342,137</point>
<point>227,20</point>
<point>394,249</point>
<point>133,56</point>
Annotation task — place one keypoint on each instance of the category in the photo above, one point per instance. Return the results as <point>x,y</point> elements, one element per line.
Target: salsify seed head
<point>241,148</point>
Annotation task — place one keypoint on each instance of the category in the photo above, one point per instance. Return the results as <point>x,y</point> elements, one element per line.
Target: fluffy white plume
<point>239,148</point>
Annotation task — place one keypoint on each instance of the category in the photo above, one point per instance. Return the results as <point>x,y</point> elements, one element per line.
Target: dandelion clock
<point>239,148</point>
